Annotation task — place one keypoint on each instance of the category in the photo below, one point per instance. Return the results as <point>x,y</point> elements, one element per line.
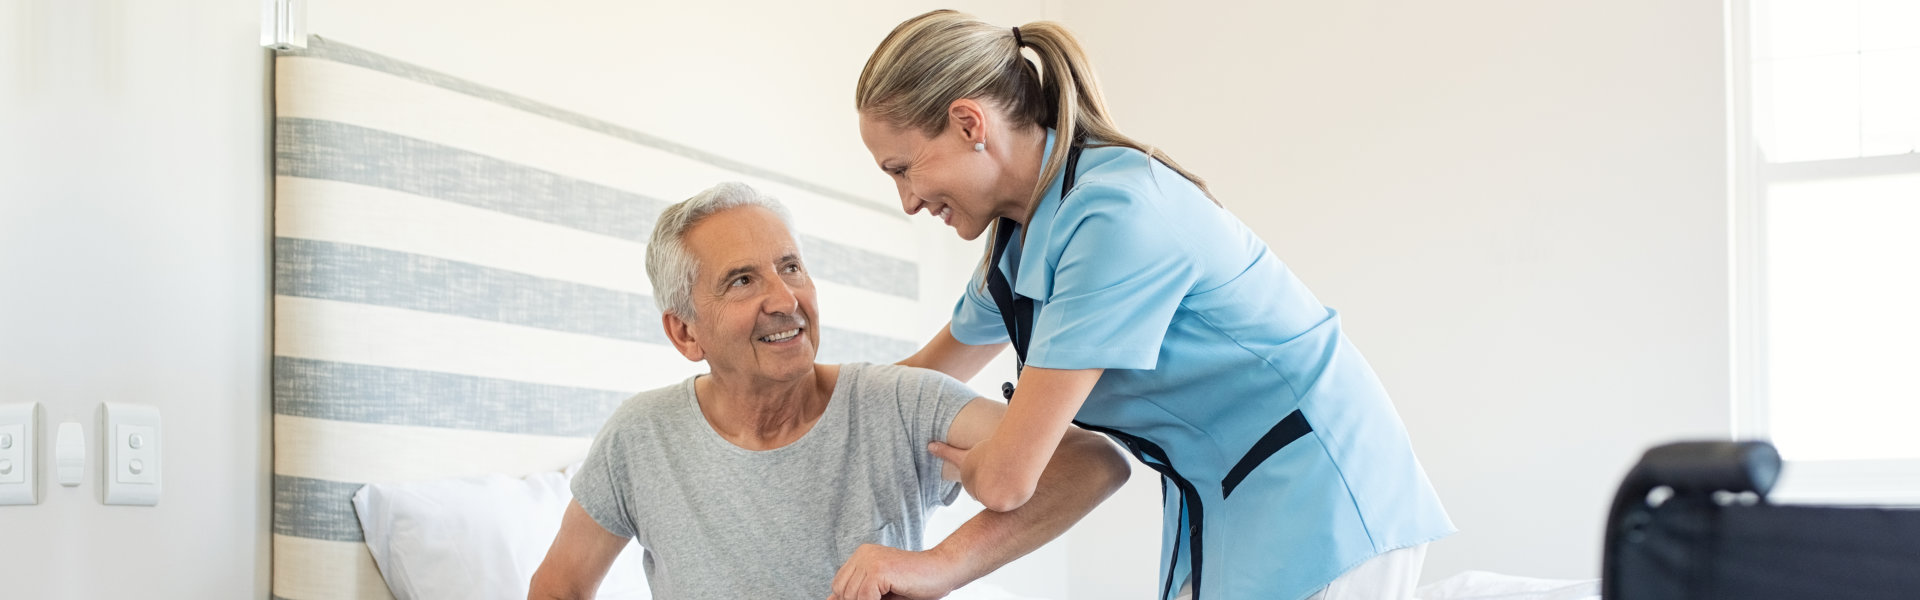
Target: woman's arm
<point>1086,470</point>
<point>947,355</point>
<point>1002,470</point>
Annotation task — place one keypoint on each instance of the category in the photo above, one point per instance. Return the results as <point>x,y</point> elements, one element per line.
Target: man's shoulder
<point>896,383</point>
<point>889,378</point>
<point>651,405</point>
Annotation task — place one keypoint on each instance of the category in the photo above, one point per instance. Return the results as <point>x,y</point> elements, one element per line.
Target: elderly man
<point>775,477</point>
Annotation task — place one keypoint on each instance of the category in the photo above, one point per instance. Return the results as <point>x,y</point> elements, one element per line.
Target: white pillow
<point>475,537</point>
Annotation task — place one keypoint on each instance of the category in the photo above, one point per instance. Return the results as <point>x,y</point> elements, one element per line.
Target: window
<point>1826,133</point>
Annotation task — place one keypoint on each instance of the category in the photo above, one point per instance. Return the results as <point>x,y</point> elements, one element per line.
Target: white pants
<point>1390,576</point>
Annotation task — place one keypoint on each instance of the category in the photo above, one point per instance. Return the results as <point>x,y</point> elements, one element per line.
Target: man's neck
<point>763,415</point>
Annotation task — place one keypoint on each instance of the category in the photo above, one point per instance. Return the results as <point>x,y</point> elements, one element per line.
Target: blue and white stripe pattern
<point>460,288</point>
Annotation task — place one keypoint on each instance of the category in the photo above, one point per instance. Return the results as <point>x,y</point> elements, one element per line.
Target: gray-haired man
<point>776,477</point>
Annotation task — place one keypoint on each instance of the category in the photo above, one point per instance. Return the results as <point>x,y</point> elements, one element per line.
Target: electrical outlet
<point>132,437</point>
<point>19,477</point>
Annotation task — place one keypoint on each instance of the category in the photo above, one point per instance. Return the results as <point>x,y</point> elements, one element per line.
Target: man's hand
<point>875,572</point>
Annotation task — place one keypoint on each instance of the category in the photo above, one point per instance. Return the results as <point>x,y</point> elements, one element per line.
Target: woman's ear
<point>969,118</point>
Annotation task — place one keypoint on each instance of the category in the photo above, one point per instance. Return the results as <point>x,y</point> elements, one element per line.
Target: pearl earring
<point>980,147</point>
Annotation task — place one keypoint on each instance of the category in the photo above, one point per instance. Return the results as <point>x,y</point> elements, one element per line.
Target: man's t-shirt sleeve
<point>602,483</point>
<point>933,399</point>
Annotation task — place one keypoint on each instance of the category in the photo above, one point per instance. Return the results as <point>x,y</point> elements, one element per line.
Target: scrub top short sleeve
<point>1119,271</point>
<point>976,321</point>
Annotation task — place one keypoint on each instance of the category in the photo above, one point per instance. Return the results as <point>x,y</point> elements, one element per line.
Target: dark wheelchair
<point>1692,521</point>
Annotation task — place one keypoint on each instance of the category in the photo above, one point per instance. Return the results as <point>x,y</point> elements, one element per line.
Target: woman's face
<point>941,174</point>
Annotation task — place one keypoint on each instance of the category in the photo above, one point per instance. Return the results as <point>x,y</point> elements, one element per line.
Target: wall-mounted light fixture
<point>283,24</point>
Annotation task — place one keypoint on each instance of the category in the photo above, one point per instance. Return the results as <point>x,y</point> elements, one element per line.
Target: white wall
<point>1520,207</point>
<point>133,268</point>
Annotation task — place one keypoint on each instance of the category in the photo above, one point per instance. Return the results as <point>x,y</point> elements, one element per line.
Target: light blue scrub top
<point>1283,462</point>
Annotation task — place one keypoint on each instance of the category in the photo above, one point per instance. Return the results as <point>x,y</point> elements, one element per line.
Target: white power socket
<point>19,477</point>
<point>132,440</point>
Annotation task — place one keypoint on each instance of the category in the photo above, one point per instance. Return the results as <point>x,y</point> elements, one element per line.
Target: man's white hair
<point>669,264</point>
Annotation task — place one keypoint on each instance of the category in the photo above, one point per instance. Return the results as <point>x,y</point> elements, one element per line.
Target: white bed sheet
<point>1483,585</point>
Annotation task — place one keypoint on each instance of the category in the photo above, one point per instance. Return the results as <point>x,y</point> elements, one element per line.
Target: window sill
<point>1893,483</point>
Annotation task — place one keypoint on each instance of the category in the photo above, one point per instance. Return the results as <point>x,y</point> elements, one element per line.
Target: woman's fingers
<point>951,459</point>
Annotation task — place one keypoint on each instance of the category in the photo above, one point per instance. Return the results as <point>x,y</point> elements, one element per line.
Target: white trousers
<point>1390,576</point>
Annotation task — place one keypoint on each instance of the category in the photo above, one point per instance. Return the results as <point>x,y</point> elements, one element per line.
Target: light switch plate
<point>19,475</point>
<point>133,440</point>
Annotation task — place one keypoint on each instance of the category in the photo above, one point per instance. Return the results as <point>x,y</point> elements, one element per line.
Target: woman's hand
<point>954,467</point>
<point>1002,470</point>
<point>951,460</point>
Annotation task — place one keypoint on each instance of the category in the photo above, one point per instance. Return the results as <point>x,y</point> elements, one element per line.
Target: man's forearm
<point>545,587</point>
<point>1084,471</point>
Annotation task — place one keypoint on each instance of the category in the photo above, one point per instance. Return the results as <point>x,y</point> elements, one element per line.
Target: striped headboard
<point>460,288</point>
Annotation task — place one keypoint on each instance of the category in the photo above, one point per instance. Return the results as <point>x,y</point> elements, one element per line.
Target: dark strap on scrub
<point>1016,310</point>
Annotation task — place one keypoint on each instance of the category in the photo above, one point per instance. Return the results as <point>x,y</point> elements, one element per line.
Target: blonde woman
<point>1141,309</point>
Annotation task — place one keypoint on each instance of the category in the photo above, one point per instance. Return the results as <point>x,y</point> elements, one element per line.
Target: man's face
<point>752,297</point>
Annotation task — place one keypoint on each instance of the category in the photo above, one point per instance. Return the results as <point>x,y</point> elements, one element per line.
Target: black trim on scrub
<point>1283,433</point>
<point>1189,498</point>
<point>1016,311</point>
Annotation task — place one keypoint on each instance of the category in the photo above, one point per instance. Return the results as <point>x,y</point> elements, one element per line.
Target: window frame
<point>1879,482</point>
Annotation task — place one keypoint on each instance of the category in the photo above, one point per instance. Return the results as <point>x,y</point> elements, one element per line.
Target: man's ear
<point>969,118</point>
<point>680,333</point>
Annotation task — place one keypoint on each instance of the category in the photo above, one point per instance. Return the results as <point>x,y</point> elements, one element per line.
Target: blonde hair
<point>933,59</point>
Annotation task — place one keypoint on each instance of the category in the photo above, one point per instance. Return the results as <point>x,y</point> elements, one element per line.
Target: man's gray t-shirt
<point>720,521</point>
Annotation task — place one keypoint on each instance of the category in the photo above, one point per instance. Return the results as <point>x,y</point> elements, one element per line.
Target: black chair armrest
<point>1693,471</point>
